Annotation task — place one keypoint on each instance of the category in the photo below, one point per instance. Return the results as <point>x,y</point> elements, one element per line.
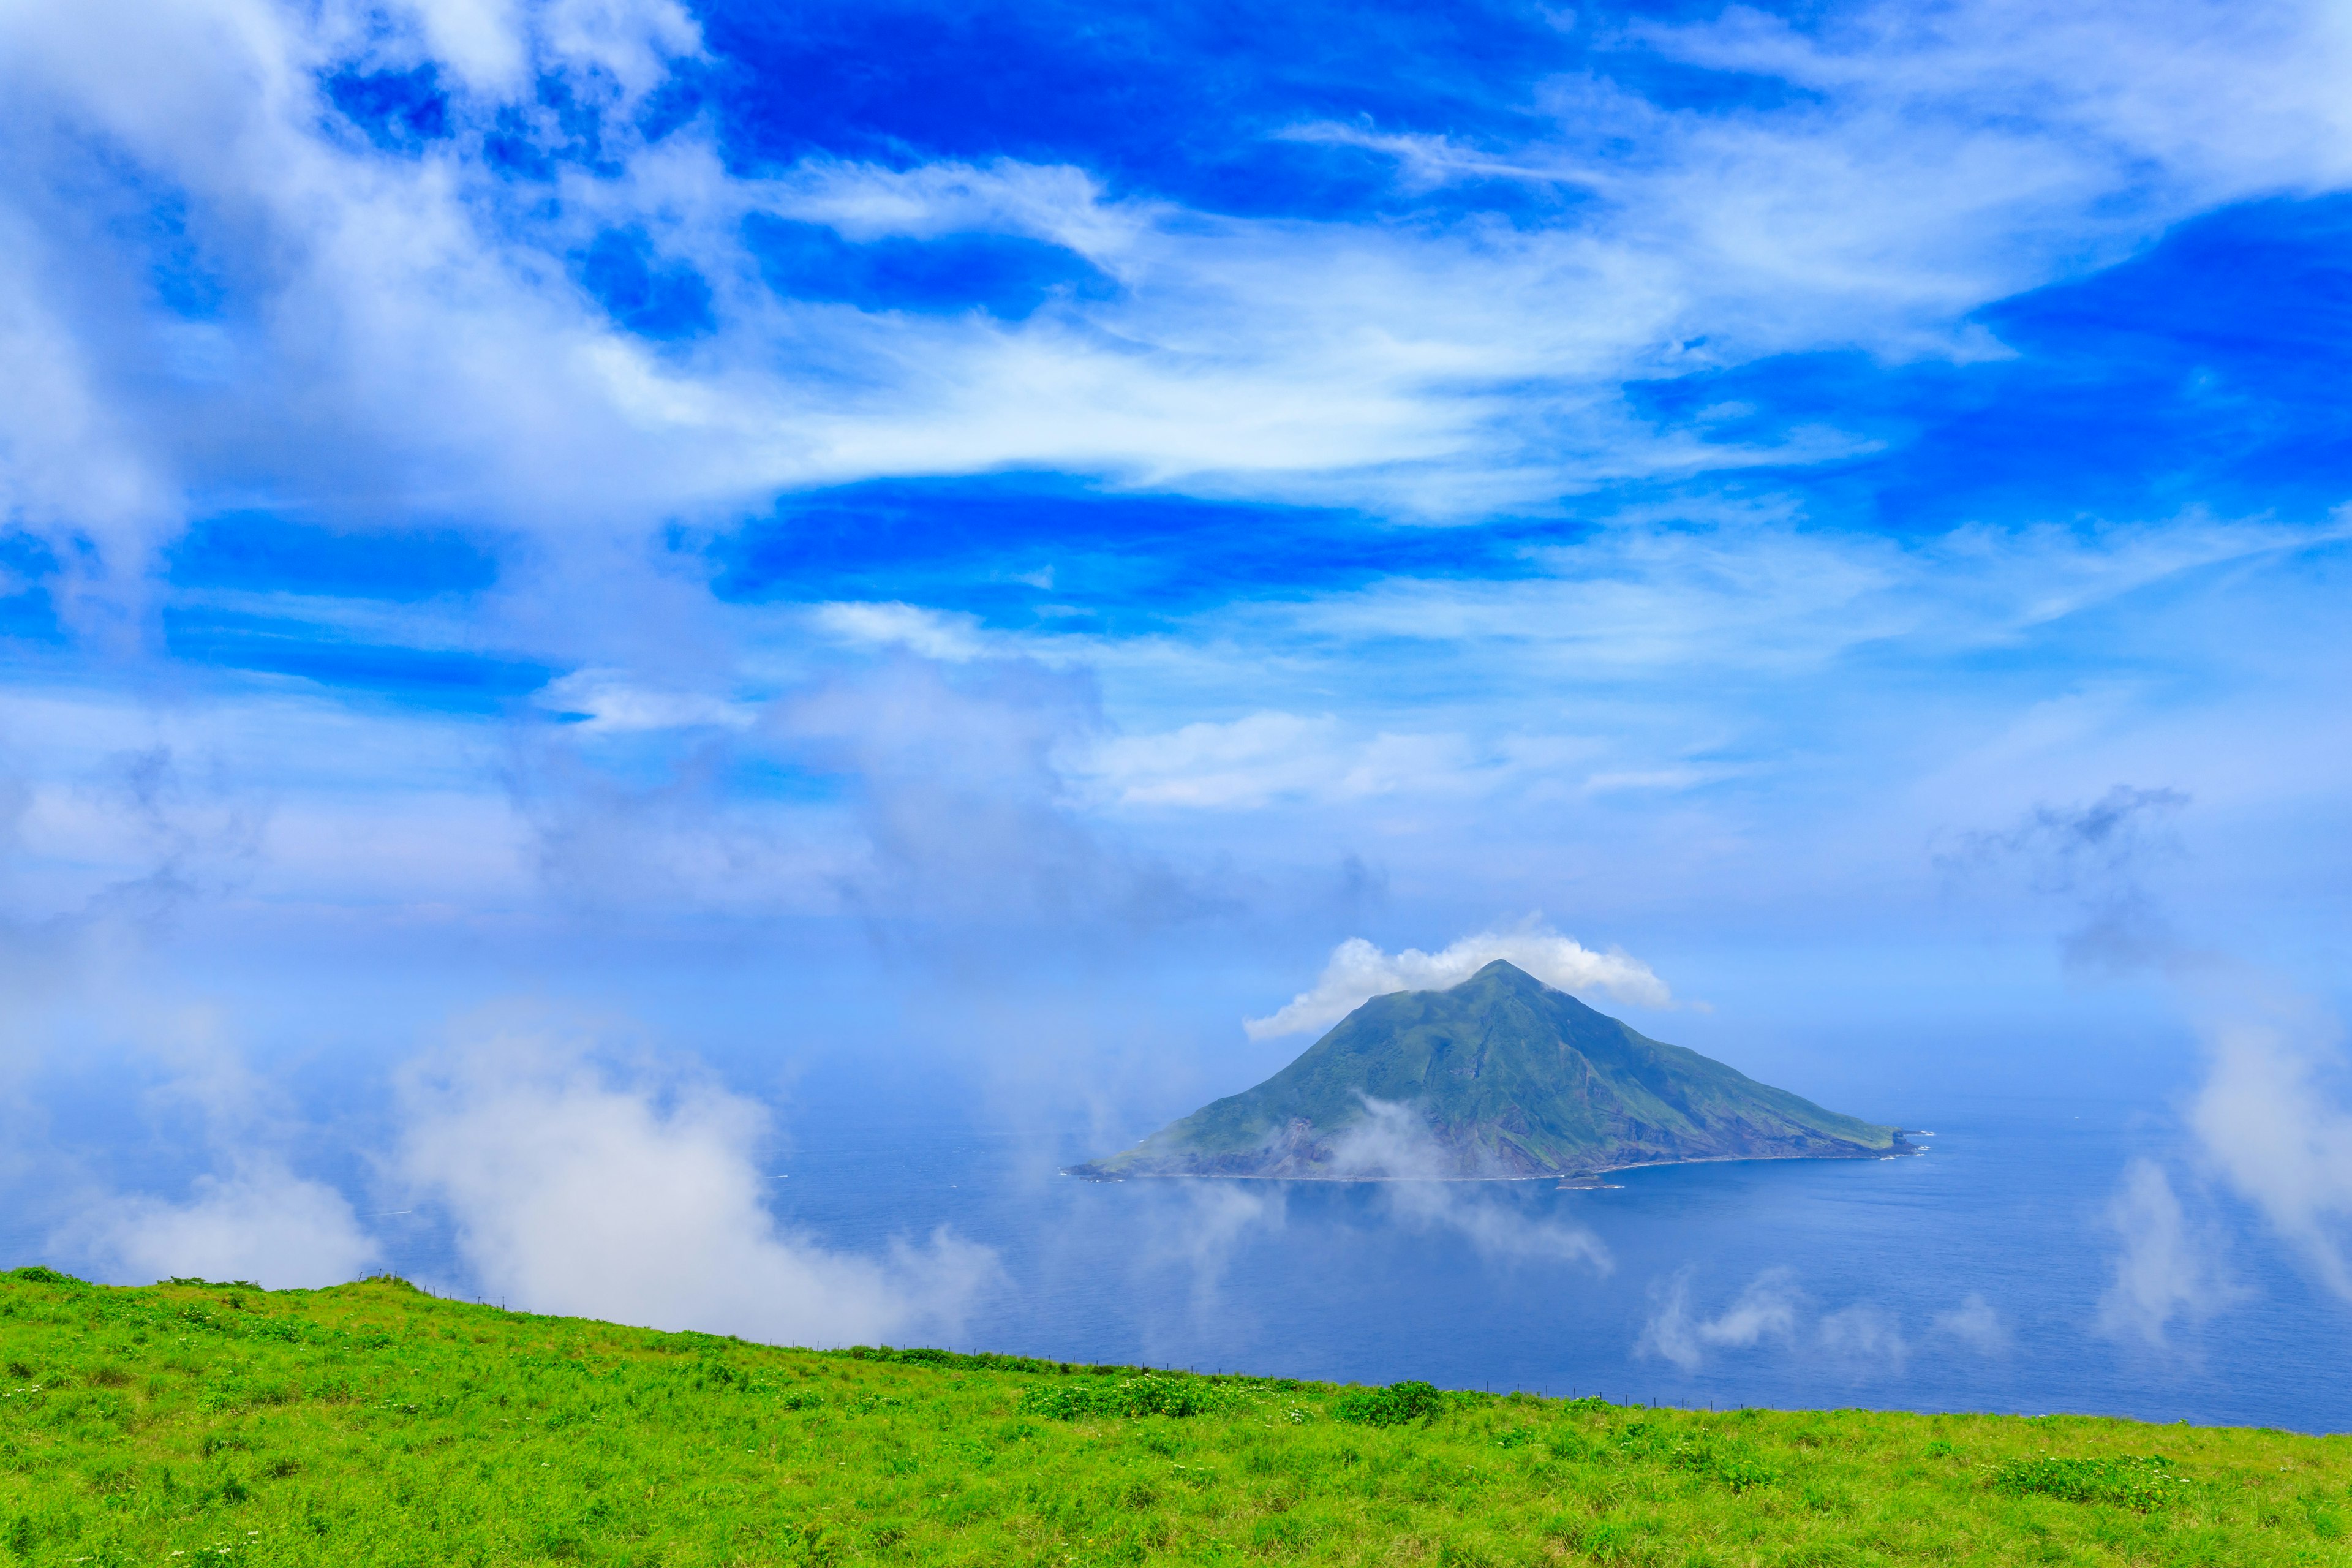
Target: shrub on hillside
<point>2143,1481</point>
<point>1153,1394</point>
<point>36,1273</point>
<point>1733,1464</point>
<point>1391,1406</point>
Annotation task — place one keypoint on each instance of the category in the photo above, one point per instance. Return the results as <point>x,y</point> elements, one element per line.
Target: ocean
<point>1970,1278</point>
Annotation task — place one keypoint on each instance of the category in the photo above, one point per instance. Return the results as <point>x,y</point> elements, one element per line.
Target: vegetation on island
<point>1500,1077</point>
<point>191,1423</point>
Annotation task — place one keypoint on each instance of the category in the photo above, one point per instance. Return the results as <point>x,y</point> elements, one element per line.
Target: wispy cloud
<point>950,637</point>
<point>424,302</point>
<point>609,701</point>
<point>1766,1310</point>
<point>2167,1275</point>
<point>2272,1116</point>
<point>185,1077</point>
<point>1422,1187</point>
<point>1200,1225</point>
<point>1497,1229</point>
<point>1860,1340</point>
<point>1975,1324</point>
<point>2269,1117</point>
<point>1265,757</point>
<point>2099,856</point>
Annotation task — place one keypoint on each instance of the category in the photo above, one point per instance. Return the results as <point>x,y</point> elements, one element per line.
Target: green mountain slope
<point>1502,1077</point>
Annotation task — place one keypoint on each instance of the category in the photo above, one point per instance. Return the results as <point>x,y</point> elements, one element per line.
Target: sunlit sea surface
<point>1971,1278</point>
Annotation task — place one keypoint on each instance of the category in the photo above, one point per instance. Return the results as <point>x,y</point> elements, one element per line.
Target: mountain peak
<point>1503,971</point>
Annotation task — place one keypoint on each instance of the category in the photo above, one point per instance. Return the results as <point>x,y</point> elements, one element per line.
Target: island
<point>1501,1078</point>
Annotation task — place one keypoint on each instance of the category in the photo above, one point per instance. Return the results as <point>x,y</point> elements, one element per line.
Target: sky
<point>647,571</point>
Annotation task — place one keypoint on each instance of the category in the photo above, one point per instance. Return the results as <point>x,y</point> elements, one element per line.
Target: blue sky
<point>659,509</point>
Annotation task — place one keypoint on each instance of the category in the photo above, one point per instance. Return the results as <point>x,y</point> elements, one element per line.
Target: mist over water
<point>1972,1278</point>
<point>1967,1279</point>
<point>765,1167</point>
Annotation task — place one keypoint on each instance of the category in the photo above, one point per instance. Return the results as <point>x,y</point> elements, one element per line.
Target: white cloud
<point>951,638</point>
<point>1495,1227</point>
<point>1269,757</point>
<point>1423,1189</point>
<point>576,1189</point>
<point>1752,593</point>
<point>1938,160</point>
<point>2207,91</point>
<point>1359,971</point>
<point>1198,1225</point>
<point>1634,676</point>
<point>613,702</point>
<point>259,1222</point>
<point>83,996</point>
<point>1243,764</point>
<point>2167,1273</point>
<point>1864,1337</point>
<point>1056,203</point>
<point>1766,1310</point>
<point>1860,1340</point>
<point>479,40</point>
<point>2272,1119</point>
<point>1975,1324</point>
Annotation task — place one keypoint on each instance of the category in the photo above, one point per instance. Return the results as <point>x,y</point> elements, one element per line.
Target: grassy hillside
<point>1511,1078</point>
<point>194,1424</point>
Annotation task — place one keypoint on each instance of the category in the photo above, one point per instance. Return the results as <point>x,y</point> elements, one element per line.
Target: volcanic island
<point>1500,1078</point>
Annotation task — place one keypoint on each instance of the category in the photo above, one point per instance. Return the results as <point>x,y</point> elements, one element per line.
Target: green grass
<point>192,1424</point>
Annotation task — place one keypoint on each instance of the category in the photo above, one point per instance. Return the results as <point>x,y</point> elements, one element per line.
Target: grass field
<point>193,1424</point>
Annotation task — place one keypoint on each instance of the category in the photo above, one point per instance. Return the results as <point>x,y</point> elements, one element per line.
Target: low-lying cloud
<point>573,1180</point>
<point>579,1188</point>
<point>1975,1324</point>
<point>2167,1275</point>
<point>1200,1226</point>
<point>1359,971</point>
<point>1766,1310</point>
<point>1863,1338</point>
<point>2272,1119</point>
<point>1422,1189</point>
<point>259,1222</point>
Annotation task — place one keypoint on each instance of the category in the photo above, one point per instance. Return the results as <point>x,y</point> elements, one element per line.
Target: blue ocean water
<point>1843,1270</point>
